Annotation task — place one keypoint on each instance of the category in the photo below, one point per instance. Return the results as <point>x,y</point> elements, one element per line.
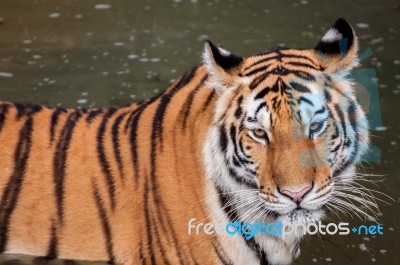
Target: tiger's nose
<point>296,196</point>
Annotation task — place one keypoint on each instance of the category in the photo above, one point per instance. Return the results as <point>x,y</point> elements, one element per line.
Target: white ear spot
<point>332,35</point>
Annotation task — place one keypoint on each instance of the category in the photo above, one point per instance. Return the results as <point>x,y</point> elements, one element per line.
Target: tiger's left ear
<point>222,66</point>
<point>338,48</point>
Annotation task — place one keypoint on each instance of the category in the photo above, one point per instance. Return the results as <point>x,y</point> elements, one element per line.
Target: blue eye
<point>316,127</point>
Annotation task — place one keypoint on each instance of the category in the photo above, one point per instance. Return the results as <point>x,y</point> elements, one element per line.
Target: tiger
<point>275,136</point>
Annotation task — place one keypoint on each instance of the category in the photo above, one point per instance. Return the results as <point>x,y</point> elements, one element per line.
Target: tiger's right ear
<point>222,66</point>
<point>338,48</point>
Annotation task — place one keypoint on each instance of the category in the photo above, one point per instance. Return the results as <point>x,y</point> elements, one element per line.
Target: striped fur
<point>120,184</point>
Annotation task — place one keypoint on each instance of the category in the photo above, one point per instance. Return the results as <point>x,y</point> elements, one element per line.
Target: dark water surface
<point>97,53</point>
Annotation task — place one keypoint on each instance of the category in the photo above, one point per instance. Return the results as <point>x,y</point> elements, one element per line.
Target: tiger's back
<point>86,184</point>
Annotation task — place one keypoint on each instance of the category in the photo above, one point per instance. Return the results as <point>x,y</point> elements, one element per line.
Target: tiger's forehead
<point>287,59</point>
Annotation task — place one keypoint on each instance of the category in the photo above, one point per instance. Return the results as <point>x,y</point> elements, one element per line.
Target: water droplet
<point>81,101</point>
<point>362,25</point>
<point>363,247</point>
<point>380,128</point>
<point>132,56</point>
<point>5,74</point>
<point>54,15</point>
<point>102,6</point>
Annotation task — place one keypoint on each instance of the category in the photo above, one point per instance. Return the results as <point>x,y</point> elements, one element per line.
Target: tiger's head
<point>287,131</point>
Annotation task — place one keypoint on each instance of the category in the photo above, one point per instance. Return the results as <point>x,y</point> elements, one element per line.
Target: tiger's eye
<point>315,126</point>
<point>260,133</point>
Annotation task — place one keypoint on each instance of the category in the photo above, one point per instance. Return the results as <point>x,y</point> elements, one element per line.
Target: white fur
<point>332,35</point>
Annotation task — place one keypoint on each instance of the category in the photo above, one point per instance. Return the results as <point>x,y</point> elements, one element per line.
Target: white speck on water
<point>78,16</point>
<point>26,41</point>
<point>391,228</point>
<point>132,96</point>
<point>54,15</point>
<point>194,1</point>
<point>314,260</point>
<point>155,60</point>
<point>383,251</point>
<point>380,128</point>
<point>36,56</point>
<point>119,44</point>
<point>202,37</point>
<point>81,101</point>
<point>144,60</point>
<point>363,247</point>
<point>131,38</point>
<point>6,74</point>
<point>85,94</point>
<point>366,238</point>
<point>132,56</point>
<point>396,62</point>
<point>362,25</point>
<point>393,143</point>
<point>177,1</point>
<point>89,34</point>
<point>373,259</point>
<point>102,6</point>
<point>104,73</point>
<point>304,2</point>
<point>328,259</point>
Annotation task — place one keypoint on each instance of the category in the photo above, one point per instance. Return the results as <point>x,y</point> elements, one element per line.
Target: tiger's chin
<point>301,217</point>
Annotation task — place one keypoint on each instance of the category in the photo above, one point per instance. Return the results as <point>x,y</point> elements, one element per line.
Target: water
<point>100,53</point>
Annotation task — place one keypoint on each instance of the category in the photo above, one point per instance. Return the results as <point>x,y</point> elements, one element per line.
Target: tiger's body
<point>120,184</point>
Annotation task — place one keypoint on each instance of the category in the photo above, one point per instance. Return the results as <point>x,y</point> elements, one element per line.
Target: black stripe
<point>208,100</point>
<point>239,110</point>
<point>158,119</point>
<point>261,106</point>
<point>105,165</point>
<point>321,110</point>
<point>60,158</point>
<point>105,224</point>
<point>14,185</point>
<point>93,114</point>
<point>116,146</point>
<point>257,70</point>
<point>189,101</point>
<point>305,100</point>
<point>299,87</point>
<point>26,110</point>
<point>3,112</point>
<point>262,93</point>
<point>223,139</point>
<point>305,65</point>
<point>53,121</point>
<point>149,224</point>
<point>52,250</point>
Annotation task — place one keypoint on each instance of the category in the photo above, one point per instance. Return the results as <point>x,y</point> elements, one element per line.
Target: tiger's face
<point>288,130</point>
